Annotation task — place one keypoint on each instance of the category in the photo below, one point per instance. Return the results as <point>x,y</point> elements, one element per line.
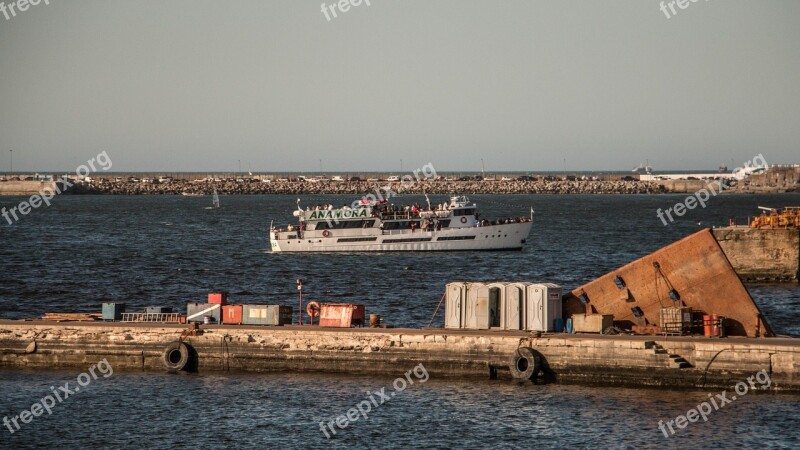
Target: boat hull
<point>512,236</point>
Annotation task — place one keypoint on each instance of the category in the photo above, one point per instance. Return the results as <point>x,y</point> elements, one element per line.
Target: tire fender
<point>176,356</point>
<point>525,364</point>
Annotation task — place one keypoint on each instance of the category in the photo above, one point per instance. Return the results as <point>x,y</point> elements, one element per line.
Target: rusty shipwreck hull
<point>693,272</point>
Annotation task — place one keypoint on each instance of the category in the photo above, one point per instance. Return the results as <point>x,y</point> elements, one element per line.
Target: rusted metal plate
<point>694,269</point>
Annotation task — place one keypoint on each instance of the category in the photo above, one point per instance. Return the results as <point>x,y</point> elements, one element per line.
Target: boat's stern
<point>275,239</point>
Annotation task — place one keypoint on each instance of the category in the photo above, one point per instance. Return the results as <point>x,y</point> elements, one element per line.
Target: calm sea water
<point>84,250</point>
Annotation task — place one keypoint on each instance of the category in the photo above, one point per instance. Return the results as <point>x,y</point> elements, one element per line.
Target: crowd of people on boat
<point>387,211</point>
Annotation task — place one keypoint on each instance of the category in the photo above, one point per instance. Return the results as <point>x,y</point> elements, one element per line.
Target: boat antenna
<point>531,213</point>
<point>298,205</point>
<point>427,199</point>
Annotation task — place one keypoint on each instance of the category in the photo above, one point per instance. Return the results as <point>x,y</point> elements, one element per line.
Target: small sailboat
<point>216,199</point>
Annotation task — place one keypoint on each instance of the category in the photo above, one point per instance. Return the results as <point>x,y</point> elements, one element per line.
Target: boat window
<point>464,212</point>
<point>400,225</point>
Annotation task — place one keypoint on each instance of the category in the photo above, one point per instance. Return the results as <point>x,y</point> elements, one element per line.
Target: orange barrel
<point>715,325</point>
<point>706,325</point>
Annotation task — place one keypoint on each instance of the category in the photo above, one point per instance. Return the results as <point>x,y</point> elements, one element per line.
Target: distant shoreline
<point>777,179</point>
<point>362,188</point>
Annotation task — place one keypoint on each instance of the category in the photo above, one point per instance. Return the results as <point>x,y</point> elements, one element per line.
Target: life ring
<point>326,233</point>
<point>525,364</point>
<point>176,356</point>
<point>312,309</point>
<point>463,220</point>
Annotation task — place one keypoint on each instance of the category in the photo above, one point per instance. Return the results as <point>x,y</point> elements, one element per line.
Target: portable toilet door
<point>513,309</point>
<point>496,304</point>
<point>481,307</point>
<point>534,308</point>
<point>554,306</point>
<point>454,306</point>
<point>471,305</point>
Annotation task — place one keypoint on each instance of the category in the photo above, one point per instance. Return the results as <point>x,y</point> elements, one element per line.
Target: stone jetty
<point>254,187</point>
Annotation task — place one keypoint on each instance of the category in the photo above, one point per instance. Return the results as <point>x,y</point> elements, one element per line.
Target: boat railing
<point>397,216</point>
<point>396,232</point>
<point>437,214</point>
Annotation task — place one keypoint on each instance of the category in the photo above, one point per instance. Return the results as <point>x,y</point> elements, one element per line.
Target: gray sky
<point>196,85</point>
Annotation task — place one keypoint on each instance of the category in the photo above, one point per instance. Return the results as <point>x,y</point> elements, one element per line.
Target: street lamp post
<point>300,312</point>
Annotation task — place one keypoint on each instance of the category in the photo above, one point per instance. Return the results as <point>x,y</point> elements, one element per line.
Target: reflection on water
<point>162,411</point>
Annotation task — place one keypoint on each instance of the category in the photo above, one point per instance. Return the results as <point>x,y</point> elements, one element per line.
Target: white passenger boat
<point>379,226</point>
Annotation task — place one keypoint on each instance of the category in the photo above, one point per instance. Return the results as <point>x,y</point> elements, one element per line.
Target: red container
<point>218,298</point>
<point>341,315</point>
<point>707,325</point>
<point>232,314</point>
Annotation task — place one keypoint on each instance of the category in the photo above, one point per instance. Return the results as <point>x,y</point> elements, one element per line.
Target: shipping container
<point>113,311</point>
<point>218,298</point>
<point>341,315</point>
<point>266,315</point>
<point>158,310</point>
<point>196,312</point>
<point>543,306</point>
<point>232,314</point>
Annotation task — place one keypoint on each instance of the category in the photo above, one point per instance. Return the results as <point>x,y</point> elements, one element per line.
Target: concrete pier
<point>674,362</point>
<point>759,255</point>
<point>25,187</point>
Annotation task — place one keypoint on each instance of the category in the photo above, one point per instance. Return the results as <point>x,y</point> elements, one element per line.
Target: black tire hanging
<point>176,356</point>
<point>525,364</point>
